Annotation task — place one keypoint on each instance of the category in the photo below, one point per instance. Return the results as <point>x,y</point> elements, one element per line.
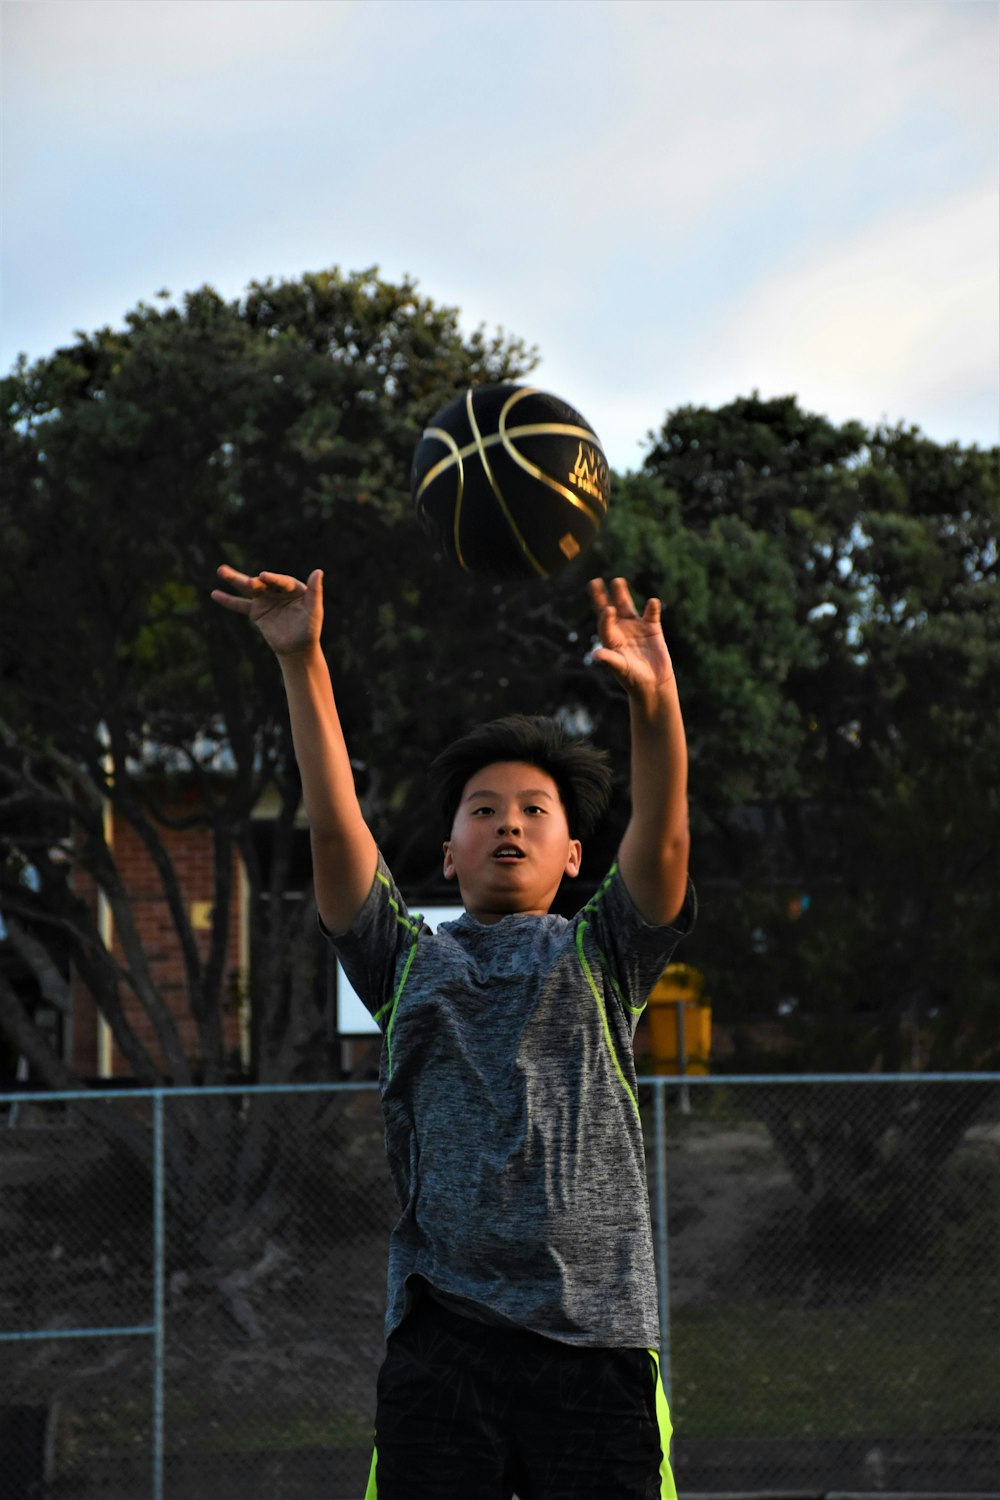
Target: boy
<point>521,1319</point>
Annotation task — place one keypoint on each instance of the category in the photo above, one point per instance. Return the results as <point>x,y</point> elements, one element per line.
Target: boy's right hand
<point>288,613</point>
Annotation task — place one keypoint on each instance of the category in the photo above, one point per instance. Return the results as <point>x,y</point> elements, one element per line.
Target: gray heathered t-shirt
<point>511,1122</point>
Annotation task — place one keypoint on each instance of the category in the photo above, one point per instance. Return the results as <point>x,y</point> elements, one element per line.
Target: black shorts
<point>472,1411</point>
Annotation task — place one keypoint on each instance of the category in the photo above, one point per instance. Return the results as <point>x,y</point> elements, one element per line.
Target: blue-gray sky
<point>676,200</point>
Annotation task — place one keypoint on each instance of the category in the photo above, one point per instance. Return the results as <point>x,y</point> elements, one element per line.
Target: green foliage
<point>830,600</point>
<point>274,431</point>
<point>863,614</point>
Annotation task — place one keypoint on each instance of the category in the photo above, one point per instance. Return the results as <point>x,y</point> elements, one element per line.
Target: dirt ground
<point>256,1414</point>
<point>724,1180</point>
<point>249,1415</point>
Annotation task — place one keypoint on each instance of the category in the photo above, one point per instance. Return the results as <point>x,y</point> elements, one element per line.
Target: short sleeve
<point>382,932</point>
<point>632,951</point>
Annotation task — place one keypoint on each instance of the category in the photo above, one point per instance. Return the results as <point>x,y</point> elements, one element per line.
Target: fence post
<point>680,1012</point>
<point>158,1294</point>
<point>662,1254</point>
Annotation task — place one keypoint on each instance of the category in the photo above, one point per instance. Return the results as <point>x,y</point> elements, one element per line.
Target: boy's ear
<point>449,863</point>
<point>574,858</point>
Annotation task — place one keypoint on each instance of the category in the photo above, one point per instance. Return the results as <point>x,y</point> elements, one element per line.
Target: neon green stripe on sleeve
<point>403,922</point>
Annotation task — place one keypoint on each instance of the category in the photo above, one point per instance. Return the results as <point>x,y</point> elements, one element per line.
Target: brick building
<point>90,1047</point>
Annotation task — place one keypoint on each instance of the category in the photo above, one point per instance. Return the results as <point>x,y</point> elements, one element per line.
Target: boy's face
<point>510,845</point>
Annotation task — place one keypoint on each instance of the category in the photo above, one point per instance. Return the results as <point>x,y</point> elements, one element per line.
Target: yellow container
<point>675,1002</point>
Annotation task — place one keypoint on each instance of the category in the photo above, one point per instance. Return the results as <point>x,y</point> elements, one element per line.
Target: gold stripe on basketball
<point>507,439</point>
<point>511,481</point>
<point>532,561</point>
<point>534,429</point>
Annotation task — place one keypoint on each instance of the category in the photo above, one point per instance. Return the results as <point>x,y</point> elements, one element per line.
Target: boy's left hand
<point>632,645</point>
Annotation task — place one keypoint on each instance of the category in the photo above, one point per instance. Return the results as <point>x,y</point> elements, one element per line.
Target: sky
<point>677,201</point>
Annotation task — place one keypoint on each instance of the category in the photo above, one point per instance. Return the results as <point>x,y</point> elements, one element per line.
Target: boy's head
<point>517,794</point>
<point>579,769</point>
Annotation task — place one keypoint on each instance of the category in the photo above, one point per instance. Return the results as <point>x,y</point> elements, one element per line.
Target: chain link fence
<point>192,1288</point>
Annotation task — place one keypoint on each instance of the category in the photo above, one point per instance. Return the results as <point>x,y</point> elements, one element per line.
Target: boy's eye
<point>534,809</point>
<point>477,811</point>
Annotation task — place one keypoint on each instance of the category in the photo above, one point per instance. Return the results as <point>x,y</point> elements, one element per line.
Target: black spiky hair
<point>579,769</point>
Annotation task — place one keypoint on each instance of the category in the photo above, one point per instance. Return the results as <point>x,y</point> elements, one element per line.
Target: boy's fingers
<point>622,596</point>
<point>229,575</point>
<point>619,599</point>
<point>230,601</point>
<point>598,593</point>
<point>245,581</point>
<point>241,581</point>
<point>280,582</point>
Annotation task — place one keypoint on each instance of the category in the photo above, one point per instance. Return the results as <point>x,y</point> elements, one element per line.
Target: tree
<point>857,875</point>
<point>271,431</point>
<point>830,601</point>
<point>884,811</point>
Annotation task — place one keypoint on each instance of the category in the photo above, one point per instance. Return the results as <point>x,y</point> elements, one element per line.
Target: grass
<point>279,1433</point>
<point>899,1366</point>
<point>198,1421</point>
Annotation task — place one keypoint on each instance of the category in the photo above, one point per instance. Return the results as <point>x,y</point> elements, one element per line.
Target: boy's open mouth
<point>508,851</point>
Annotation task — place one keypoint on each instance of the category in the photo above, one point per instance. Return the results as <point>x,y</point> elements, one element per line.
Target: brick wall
<point>191,853</point>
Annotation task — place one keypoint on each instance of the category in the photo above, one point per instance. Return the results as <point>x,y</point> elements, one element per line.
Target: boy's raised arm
<point>289,615</point>
<point>653,856</point>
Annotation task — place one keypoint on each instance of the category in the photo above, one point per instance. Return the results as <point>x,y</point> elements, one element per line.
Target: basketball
<point>510,481</point>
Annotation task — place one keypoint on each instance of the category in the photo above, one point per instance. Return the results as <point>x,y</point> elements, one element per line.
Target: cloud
<point>892,322</point>
<point>714,99</point>
<point>61,41</point>
<point>645,190</point>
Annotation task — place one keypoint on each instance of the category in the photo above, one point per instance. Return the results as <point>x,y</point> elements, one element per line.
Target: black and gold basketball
<point>511,481</point>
